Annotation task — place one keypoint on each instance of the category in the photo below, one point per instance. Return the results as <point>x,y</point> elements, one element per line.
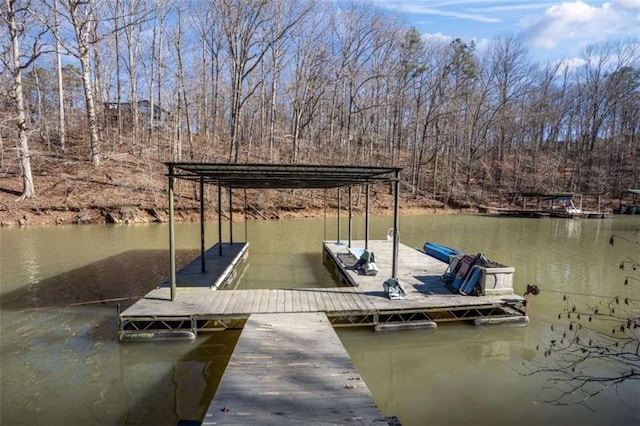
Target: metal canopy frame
<point>278,176</point>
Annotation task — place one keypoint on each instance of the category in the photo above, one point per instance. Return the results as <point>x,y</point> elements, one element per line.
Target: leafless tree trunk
<point>312,68</point>
<point>182,91</point>
<point>206,22</point>
<point>99,83</point>
<point>244,26</point>
<point>116,23</point>
<point>130,17</point>
<point>62,125</point>
<point>28,187</point>
<point>161,10</point>
<point>82,17</point>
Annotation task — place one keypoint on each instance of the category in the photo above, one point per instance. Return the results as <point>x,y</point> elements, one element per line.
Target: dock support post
<point>172,238</point>
<point>324,237</point>
<point>230,217</point>
<point>338,239</point>
<point>396,202</point>
<point>366,218</point>
<point>246,238</point>
<point>580,203</point>
<point>350,215</point>
<point>203,266</point>
<point>219,220</point>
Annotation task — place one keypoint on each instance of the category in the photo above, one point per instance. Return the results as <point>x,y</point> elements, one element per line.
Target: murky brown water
<point>61,363</point>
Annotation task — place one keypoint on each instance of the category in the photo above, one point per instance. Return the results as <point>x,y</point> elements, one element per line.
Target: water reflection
<point>418,369</point>
<point>61,363</point>
<point>573,227</point>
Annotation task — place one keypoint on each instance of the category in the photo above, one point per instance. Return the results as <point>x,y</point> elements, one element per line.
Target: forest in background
<point>98,94</point>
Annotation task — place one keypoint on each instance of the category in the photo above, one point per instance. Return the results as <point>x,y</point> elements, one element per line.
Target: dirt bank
<point>124,189</point>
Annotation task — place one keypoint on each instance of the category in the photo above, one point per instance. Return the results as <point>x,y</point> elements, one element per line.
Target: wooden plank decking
<point>419,273</point>
<point>202,302</point>
<point>219,268</point>
<point>291,369</point>
<point>362,303</point>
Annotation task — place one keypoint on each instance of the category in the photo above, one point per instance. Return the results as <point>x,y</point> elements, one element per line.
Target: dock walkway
<point>291,369</point>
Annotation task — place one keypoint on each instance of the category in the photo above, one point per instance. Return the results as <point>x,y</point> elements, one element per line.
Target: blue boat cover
<point>440,252</point>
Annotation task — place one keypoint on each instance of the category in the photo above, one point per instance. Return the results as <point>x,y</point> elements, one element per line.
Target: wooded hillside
<point>98,93</point>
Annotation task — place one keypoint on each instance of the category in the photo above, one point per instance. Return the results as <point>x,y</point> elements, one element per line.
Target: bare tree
<point>82,16</point>
<point>211,97</point>
<point>16,15</point>
<point>154,66</point>
<point>248,28</point>
<point>360,34</point>
<point>62,125</point>
<point>182,89</point>
<point>245,25</point>
<point>509,73</point>
<point>132,18</point>
<point>310,81</point>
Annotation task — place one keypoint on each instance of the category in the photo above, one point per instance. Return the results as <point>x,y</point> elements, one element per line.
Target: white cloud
<point>437,38</point>
<point>629,4</point>
<point>552,28</point>
<point>581,23</point>
<point>422,8</point>
<point>482,44</point>
<point>572,63</point>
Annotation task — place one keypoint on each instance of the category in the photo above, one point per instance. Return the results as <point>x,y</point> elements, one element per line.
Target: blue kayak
<point>441,252</point>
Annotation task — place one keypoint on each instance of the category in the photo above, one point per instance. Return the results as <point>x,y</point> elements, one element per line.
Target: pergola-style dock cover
<point>278,176</point>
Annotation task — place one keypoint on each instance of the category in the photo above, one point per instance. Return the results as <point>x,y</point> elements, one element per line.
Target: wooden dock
<point>362,302</point>
<point>291,369</point>
<point>289,366</point>
<point>220,267</point>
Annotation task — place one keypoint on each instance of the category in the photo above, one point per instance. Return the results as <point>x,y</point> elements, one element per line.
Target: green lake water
<point>61,363</point>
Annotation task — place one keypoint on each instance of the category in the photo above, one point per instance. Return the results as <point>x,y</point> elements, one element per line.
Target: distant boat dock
<point>551,204</point>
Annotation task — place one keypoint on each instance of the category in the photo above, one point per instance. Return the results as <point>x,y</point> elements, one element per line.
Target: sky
<point>553,30</point>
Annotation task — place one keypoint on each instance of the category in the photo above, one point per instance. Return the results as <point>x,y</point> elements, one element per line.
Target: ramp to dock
<point>291,368</point>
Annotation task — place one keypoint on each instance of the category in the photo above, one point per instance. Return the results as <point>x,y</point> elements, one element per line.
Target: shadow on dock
<point>430,285</point>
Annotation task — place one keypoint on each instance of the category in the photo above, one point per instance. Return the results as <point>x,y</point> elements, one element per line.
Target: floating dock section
<point>291,369</point>
<point>361,301</point>
<point>427,300</point>
<point>220,267</point>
